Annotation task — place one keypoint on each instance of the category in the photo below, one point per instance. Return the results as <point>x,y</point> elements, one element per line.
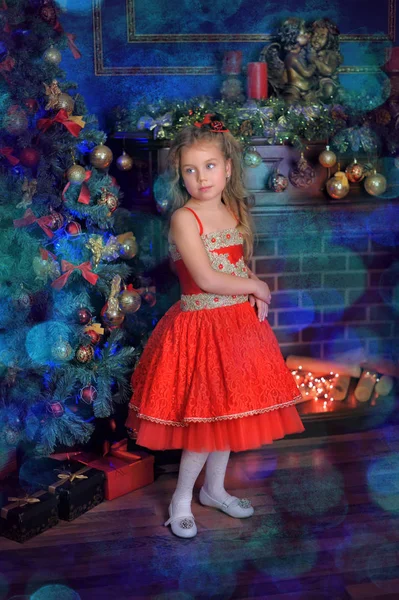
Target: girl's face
<point>204,170</point>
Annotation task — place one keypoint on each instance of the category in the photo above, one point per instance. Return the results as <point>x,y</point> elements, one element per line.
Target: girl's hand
<point>262,291</point>
<point>262,308</point>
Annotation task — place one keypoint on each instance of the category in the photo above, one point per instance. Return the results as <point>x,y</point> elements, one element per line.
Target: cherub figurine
<point>29,190</point>
<point>52,91</point>
<point>303,64</point>
<point>325,55</point>
<point>290,72</point>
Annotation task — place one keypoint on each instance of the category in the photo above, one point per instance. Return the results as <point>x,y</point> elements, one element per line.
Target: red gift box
<point>121,476</point>
<point>65,455</point>
<point>8,462</point>
<point>119,449</point>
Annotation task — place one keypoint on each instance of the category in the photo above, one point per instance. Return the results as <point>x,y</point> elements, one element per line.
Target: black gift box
<point>25,513</point>
<point>79,488</point>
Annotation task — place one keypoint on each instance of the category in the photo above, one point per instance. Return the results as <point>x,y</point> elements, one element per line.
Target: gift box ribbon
<point>19,502</point>
<point>65,476</point>
<point>67,268</point>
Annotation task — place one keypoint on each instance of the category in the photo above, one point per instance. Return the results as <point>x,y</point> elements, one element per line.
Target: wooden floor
<point>326,527</point>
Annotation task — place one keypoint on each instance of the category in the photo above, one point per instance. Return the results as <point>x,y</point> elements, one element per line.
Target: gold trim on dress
<point>215,240</point>
<point>186,422</point>
<point>209,301</point>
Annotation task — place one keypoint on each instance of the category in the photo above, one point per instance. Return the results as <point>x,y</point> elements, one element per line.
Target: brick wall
<point>334,277</point>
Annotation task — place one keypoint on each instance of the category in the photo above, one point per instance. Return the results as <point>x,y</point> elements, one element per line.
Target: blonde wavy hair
<point>234,195</point>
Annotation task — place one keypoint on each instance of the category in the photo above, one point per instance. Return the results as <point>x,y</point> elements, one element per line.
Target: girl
<point>211,378</point>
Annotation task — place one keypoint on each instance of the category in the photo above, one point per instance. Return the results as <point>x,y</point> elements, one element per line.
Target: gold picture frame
<point>133,37</point>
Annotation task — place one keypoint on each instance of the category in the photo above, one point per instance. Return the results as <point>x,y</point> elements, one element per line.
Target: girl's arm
<point>184,230</point>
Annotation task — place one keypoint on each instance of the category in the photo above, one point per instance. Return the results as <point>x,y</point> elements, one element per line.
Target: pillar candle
<point>384,385</point>
<point>365,386</point>
<point>257,80</point>
<point>232,62</point>
<point>340,391</point>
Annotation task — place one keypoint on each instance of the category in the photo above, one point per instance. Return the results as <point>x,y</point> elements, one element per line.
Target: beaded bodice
<point>225,252</point>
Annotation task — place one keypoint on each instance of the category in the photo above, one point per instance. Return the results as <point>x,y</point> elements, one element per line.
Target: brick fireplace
<point>332,266</point>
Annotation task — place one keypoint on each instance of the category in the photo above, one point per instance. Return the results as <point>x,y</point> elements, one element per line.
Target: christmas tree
<point>66,254</point>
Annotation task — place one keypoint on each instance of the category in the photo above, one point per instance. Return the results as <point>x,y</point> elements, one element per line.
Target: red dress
<point>212,377</point>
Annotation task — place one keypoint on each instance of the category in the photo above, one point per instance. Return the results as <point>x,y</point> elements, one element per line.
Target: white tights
<point>190,467</point>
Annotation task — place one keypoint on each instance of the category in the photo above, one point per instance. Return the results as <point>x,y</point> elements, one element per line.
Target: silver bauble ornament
<point>61,350</point>
<point>52,55</point>
<point>252,158</point>
<point>375,184</point>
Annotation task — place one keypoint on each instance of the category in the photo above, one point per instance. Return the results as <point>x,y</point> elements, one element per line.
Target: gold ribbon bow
<point>25,500</point>
<point>67,476</point>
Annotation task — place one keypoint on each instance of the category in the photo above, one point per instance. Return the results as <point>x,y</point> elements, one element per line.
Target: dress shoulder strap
<point>197,217</point>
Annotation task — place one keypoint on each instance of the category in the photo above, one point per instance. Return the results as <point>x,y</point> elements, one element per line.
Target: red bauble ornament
<point>31,105</point>
<point>83,316</point>
<point>56,409</point>
<point>29,157</point>
<point>57,221</point>
<point>73,228</point>
<point>150,298</point>
<point>84,354</point>
<point>93,335</point>
<point>88,394</point>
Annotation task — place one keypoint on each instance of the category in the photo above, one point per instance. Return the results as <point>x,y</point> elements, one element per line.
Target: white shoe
<point>182,525</point>
<point>239,509</point>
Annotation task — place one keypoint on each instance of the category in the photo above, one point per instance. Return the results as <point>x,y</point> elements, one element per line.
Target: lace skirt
<point>212,379</point>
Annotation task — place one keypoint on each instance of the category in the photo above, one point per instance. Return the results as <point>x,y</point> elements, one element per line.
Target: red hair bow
<point>213,123</point>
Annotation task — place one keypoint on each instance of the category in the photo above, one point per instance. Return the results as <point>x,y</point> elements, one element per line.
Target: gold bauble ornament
<point>113,316</point>
<point>338,185</point>
<point>129,301</point>
<point>354,172</point>
<point>52,56</point>
<point>124,162</point>
<point>375,184</point>
<point>76,174</point>
<point>66,102</point>
<point>327,158</point>
<point>128,245</point>
<point>101,156</point>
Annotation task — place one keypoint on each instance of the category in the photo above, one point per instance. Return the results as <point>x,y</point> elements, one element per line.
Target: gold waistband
<point>207,301</point>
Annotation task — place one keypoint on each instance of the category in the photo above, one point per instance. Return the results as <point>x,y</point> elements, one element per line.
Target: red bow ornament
<point>211,121</point>
<point>29,218</point>
<point>6,66</point>
<point>67,268</point>
<point>84,195</point>
<point>7,153</point>
<point>63,118</point>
